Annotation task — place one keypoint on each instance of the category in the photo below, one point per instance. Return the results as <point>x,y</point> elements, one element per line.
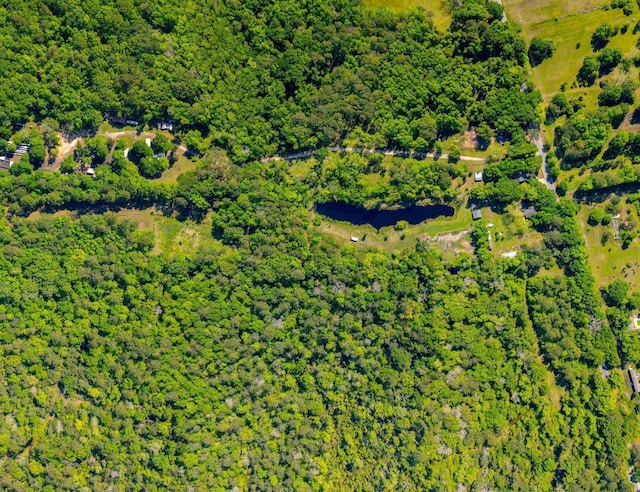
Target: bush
<point>596,216</point>
<point>540,50</point>
<point>139,151</point>
<point>609,59</point>
<point>602,35</point>
<point>589,71</point>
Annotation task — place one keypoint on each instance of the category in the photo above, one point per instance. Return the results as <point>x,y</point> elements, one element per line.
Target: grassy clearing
<point>528,12</point>
<point>572,36</point>
<point>182,165</point>
<point>439,8</point>
<point>609,261</point>
<point>173,236</point>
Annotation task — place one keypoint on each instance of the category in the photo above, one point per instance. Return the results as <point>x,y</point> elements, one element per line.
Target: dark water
<point>382,218</point>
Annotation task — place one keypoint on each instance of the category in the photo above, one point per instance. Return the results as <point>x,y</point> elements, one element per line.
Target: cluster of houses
<point>7,160</point>
<point>123,121</point>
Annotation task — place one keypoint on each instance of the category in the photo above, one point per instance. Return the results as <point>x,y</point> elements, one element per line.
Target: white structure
<point>478,176</point>
<point>509,254</point>
<point>354,239</point>
<point>148,142</point>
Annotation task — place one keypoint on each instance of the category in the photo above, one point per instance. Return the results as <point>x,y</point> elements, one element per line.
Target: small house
<point>5,162</point>
<point>165,125</point>
<point>22,149</point>
<point>478,177</point>
<point>476,214</point>
<point>633,377</point>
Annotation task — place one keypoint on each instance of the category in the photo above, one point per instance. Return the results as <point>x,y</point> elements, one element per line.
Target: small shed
<point>148,142</point>
<point>478,176</point>
<point>354,239</point>
<point>529,212</point>
<point>476,214</point>
<point>633,377</point>
<point>509,254</point>
<point>91,171</point>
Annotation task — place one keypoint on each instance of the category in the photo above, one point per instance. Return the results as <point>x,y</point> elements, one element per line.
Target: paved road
<point>399,153</point>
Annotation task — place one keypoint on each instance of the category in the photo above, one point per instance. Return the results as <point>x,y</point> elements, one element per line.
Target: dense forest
<point>257,77</point>
<point>277,357</point>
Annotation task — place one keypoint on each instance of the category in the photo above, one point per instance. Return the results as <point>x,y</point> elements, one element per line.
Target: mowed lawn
<point>610,262</point>
<point>441,17</point>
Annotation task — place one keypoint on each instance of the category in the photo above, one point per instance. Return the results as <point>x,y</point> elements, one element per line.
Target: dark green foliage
<point>602,35</point>
<point>609,58</point>
<point>161,144</point>
<point>271,76</point>
<point>540,50</point>
<point>198,372</point>
<point>582,136</point>
<point>139,151</point>
<point>559,106</point>
<point>616,292</point>
<point>589,71</point>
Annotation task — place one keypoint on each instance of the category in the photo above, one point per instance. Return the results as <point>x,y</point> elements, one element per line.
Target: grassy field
<point>528,12</point>
<point>183,164</point>
<point>571,36</point>
<point>441,18</point>
<point>172,235</point>
<point>609,261</point>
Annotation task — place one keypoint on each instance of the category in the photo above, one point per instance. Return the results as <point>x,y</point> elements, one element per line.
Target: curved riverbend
<point>357,215</point>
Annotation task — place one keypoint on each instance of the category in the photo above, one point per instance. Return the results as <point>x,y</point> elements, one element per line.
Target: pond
<point>357,215</point>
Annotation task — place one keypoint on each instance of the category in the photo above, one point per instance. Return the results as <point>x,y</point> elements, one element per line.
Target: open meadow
<point>571,31</point>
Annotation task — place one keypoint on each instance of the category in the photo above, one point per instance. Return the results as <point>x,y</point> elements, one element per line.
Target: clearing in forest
<point>572,38</point>
<point>609,261</point>
<point>439,8</point>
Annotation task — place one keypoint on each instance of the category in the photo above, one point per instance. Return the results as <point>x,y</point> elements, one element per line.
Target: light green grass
<point>572,38</point>
<point>439,8</point>
<point>610,262</point>
<point>182,165</point>
<point>173,236</point>
<point>528,12</point>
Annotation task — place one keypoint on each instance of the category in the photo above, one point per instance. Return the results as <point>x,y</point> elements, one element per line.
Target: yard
<point>608,260</point>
